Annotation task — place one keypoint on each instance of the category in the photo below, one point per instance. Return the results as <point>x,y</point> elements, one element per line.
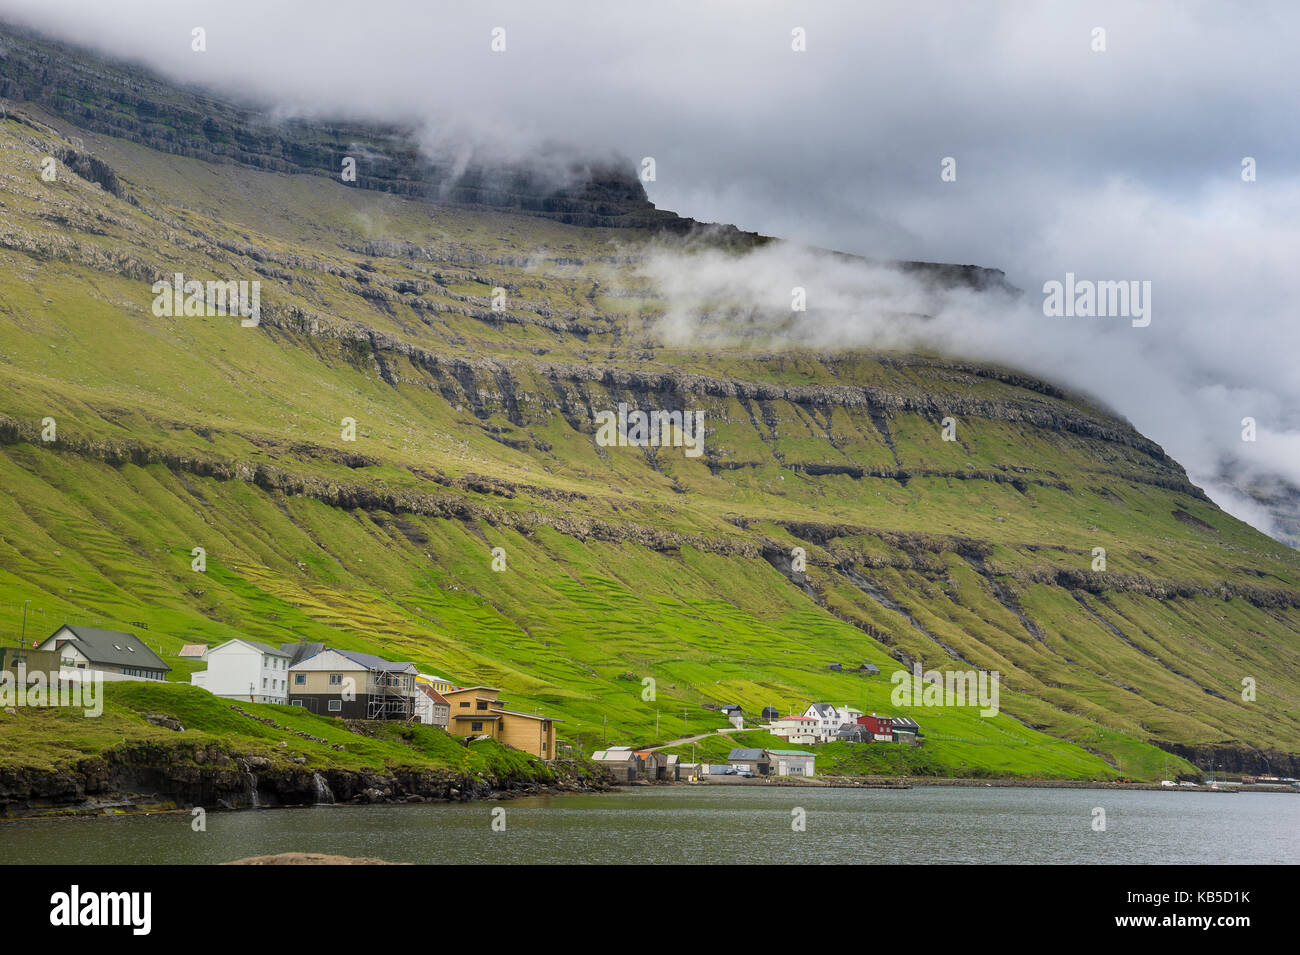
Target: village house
<point>830,718</point>
<point>735,715</point>
<point>431,708</point>
<point>353,685</point>
<point>114,655</point>
<point>880,727</point>
<point>652,764</point>
<point>801,730</point>
<point>478,711</point>
<point>791,762</point>
<point>622,763</point>
<point>906,730</point>
<point>749,761</point>
<point>853,733</point>
<point>242,669</point>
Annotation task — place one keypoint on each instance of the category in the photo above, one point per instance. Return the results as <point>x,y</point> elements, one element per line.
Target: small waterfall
<point>252,789</point>
<point>324,795</point>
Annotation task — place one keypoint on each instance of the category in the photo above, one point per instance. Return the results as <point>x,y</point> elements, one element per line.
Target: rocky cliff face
<point>126,103</point>
<point>88,93</point>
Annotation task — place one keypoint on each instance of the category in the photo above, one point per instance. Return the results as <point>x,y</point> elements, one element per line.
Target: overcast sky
<point>1122,164</point>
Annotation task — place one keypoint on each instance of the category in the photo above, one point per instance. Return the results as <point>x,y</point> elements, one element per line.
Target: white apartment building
<point>246,670</point>
<point>829,719</point>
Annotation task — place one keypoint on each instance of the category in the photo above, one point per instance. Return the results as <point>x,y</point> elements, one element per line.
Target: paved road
<point>696,739</point>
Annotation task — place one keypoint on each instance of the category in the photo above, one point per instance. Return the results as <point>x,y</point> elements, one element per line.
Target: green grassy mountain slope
<point>475,430</point>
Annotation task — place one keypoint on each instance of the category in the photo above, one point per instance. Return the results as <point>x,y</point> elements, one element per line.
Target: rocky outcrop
<point>1235,759</point>
<point>148,775</point>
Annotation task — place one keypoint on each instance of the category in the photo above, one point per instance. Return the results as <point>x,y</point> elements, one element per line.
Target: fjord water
<point>717,824</point>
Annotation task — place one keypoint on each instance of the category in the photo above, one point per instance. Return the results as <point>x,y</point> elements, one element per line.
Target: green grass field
<point>474,431</point>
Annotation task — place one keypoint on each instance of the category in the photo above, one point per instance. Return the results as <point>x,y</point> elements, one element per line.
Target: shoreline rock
<point>147,777</point>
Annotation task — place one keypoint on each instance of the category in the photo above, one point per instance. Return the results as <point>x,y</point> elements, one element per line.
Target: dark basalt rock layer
<point>126,102</point>
<point>150,776</point>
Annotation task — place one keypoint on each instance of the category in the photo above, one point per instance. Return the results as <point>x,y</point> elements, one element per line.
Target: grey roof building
<point>87,648</point>
<point>623,763</point>
<point>854,733</point>
<point>750,760</point>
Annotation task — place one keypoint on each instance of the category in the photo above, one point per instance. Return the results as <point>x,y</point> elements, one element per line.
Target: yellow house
<point>479,711</point>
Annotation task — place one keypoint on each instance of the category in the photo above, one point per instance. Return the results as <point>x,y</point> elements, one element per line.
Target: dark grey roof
<point>730,706</point>
<point>372,662</point>
<point>113,648</point>
<point>266,647</point>
<point>756,754</point>
<point>301,651</point>
<point>904,723</point>
<point>823,709</point>
<point>870,668</point>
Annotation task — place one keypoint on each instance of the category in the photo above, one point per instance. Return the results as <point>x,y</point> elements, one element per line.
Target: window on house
<point>336,679</point>
<point>464,705</point>
<point>300,679</point>
<point>336,706</point>
<point>482,704</point>
<point>476,727</point>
